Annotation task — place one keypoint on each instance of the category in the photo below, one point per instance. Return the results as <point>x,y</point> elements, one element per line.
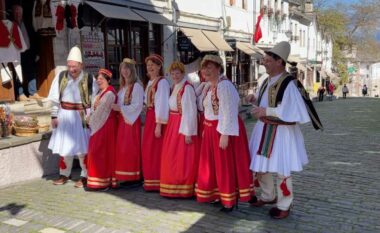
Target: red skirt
<point>179,161</point>
<point>201,118</point>
<point>101,156</point>
<point>242,162</point>
<point>128,150</point>
<point>216,174</point>
<point>151,153</point>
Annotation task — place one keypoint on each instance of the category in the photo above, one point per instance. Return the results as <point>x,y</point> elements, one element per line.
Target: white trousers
<point>268,192</point>
<point>69,164</point>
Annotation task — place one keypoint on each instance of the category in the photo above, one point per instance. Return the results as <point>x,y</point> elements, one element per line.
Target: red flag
<point>258,34</point>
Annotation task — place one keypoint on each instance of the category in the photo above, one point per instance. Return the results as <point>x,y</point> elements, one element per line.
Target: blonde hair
<point>177,66</point>
<point>132,77</point>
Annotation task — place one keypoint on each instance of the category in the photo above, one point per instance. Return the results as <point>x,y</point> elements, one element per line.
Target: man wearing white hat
<point>71,94</point>
<point>277,144</point>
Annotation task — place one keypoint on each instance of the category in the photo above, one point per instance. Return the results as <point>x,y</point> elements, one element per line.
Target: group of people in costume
<point>193,142</point>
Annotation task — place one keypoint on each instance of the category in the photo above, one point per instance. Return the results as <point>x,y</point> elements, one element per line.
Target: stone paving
<point>337,192</point>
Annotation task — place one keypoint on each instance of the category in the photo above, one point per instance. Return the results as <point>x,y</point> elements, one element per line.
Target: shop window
<point>186,50</point>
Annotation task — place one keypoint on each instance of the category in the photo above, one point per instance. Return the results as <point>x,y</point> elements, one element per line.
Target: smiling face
<point>177,76</point>
<point>74,68</point>
<point>153,69</point>
<point>211,71</point>
<point>272,66</point>
<point>125,72</point>
<point>102,82</point>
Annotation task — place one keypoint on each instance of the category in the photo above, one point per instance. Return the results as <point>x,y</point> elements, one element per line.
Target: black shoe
<point>227,209</point>
<point>87,189</point>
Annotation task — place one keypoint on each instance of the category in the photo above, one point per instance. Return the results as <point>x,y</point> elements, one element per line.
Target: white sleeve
<point>228,109</point>
<point>54,96</point>
<point>95,88</point>
<point>189,124</point>
<point>292,107</point>
<point>161,102</point>
<point>132,111</point>
<point>202,90</point>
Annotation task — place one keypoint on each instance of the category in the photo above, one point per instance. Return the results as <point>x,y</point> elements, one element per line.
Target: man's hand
<point>54,123</point>
<point>223,142</point>
<point>258,112</point>
<point>157,131</point>
<point>250,98</point>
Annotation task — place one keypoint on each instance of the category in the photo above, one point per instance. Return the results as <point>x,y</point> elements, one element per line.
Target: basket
<point>26,121</point>
<point>43,128</point>
<point>25,131</point>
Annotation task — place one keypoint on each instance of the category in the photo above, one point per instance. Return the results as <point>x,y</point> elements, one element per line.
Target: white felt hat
<point>75,54</point>
<point>282,50</point>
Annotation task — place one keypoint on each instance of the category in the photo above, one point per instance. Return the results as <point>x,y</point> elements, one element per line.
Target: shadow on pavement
<point>12,208</point>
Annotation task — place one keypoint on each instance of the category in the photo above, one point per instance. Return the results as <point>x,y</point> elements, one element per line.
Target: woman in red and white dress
<point>224,158</point>
<point>128,141</point>
<point>179,158</point>
<point>157,95</point>
<point>201,92</point>
<point>101,151</point>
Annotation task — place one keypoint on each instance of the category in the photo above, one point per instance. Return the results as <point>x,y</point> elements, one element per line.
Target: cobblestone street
<point>337,192</point>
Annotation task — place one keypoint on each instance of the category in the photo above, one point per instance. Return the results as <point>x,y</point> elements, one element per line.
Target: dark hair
<point>276,57</point>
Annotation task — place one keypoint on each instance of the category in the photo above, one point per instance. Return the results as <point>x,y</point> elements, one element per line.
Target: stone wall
<point>26,162</point>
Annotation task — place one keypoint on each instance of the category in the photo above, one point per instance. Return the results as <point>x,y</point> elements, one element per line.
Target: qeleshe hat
<point>155,57</point>
<point>75,54</point>
<point>105,72</point>
<point>212,58</point>
<point>281,49</point>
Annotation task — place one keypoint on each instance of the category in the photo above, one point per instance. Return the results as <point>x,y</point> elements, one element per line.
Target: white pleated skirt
<point>69,138</point>
<point>288,153</point>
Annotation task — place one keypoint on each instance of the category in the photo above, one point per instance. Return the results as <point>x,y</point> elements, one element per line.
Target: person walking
<point>128,141</point>
<point>277,144</point>
<point>364,90</point>
<point>331,89</point>
<point>344,91</point>
<point>71,96</point>
<point>321,92</point>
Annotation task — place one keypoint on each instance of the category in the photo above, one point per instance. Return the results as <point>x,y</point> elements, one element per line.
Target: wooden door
<point>45,65</point>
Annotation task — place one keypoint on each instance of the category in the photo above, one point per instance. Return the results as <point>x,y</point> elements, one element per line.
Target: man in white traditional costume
<point>277,144</point>
<point>71,93</point>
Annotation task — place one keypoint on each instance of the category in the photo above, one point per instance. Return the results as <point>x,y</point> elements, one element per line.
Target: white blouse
<point>228,108</point>
<point>132,111</point>
<point>189,122</point>
<point>161,100</point>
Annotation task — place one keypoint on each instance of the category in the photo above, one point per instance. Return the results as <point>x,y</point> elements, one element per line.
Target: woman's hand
<point>223,142</point>
<point>116,107</point>
<point>188,140</point>
<point>157,131</point>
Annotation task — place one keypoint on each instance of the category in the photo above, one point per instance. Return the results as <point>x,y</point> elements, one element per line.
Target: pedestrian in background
<point>128,140</point>
<point>331,89</point>
<point>277,145</point>
<point>345,91</point>
<point>364,90</point>
<point>321,92</point>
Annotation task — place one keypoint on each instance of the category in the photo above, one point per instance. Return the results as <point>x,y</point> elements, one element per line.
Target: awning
<point>154,17</point>
<point>199,40</point>
<point>323,74</point>
<point>217,40</point>
<point>333,77</point>
<point>243,46</point>
<point>116,12</point>
<point>205,40</point>
<point>302,67</point>
<point>293,58</point>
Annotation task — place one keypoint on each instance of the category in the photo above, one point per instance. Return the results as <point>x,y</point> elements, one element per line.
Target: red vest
<point>10,36</point>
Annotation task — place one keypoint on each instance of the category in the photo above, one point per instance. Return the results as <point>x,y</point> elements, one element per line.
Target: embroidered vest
<point>180,94</point>
<point>85,87</point>
<point>8,37</point>
<point>128,94</point>
<point>214,96</point>
<point>152,89</point>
